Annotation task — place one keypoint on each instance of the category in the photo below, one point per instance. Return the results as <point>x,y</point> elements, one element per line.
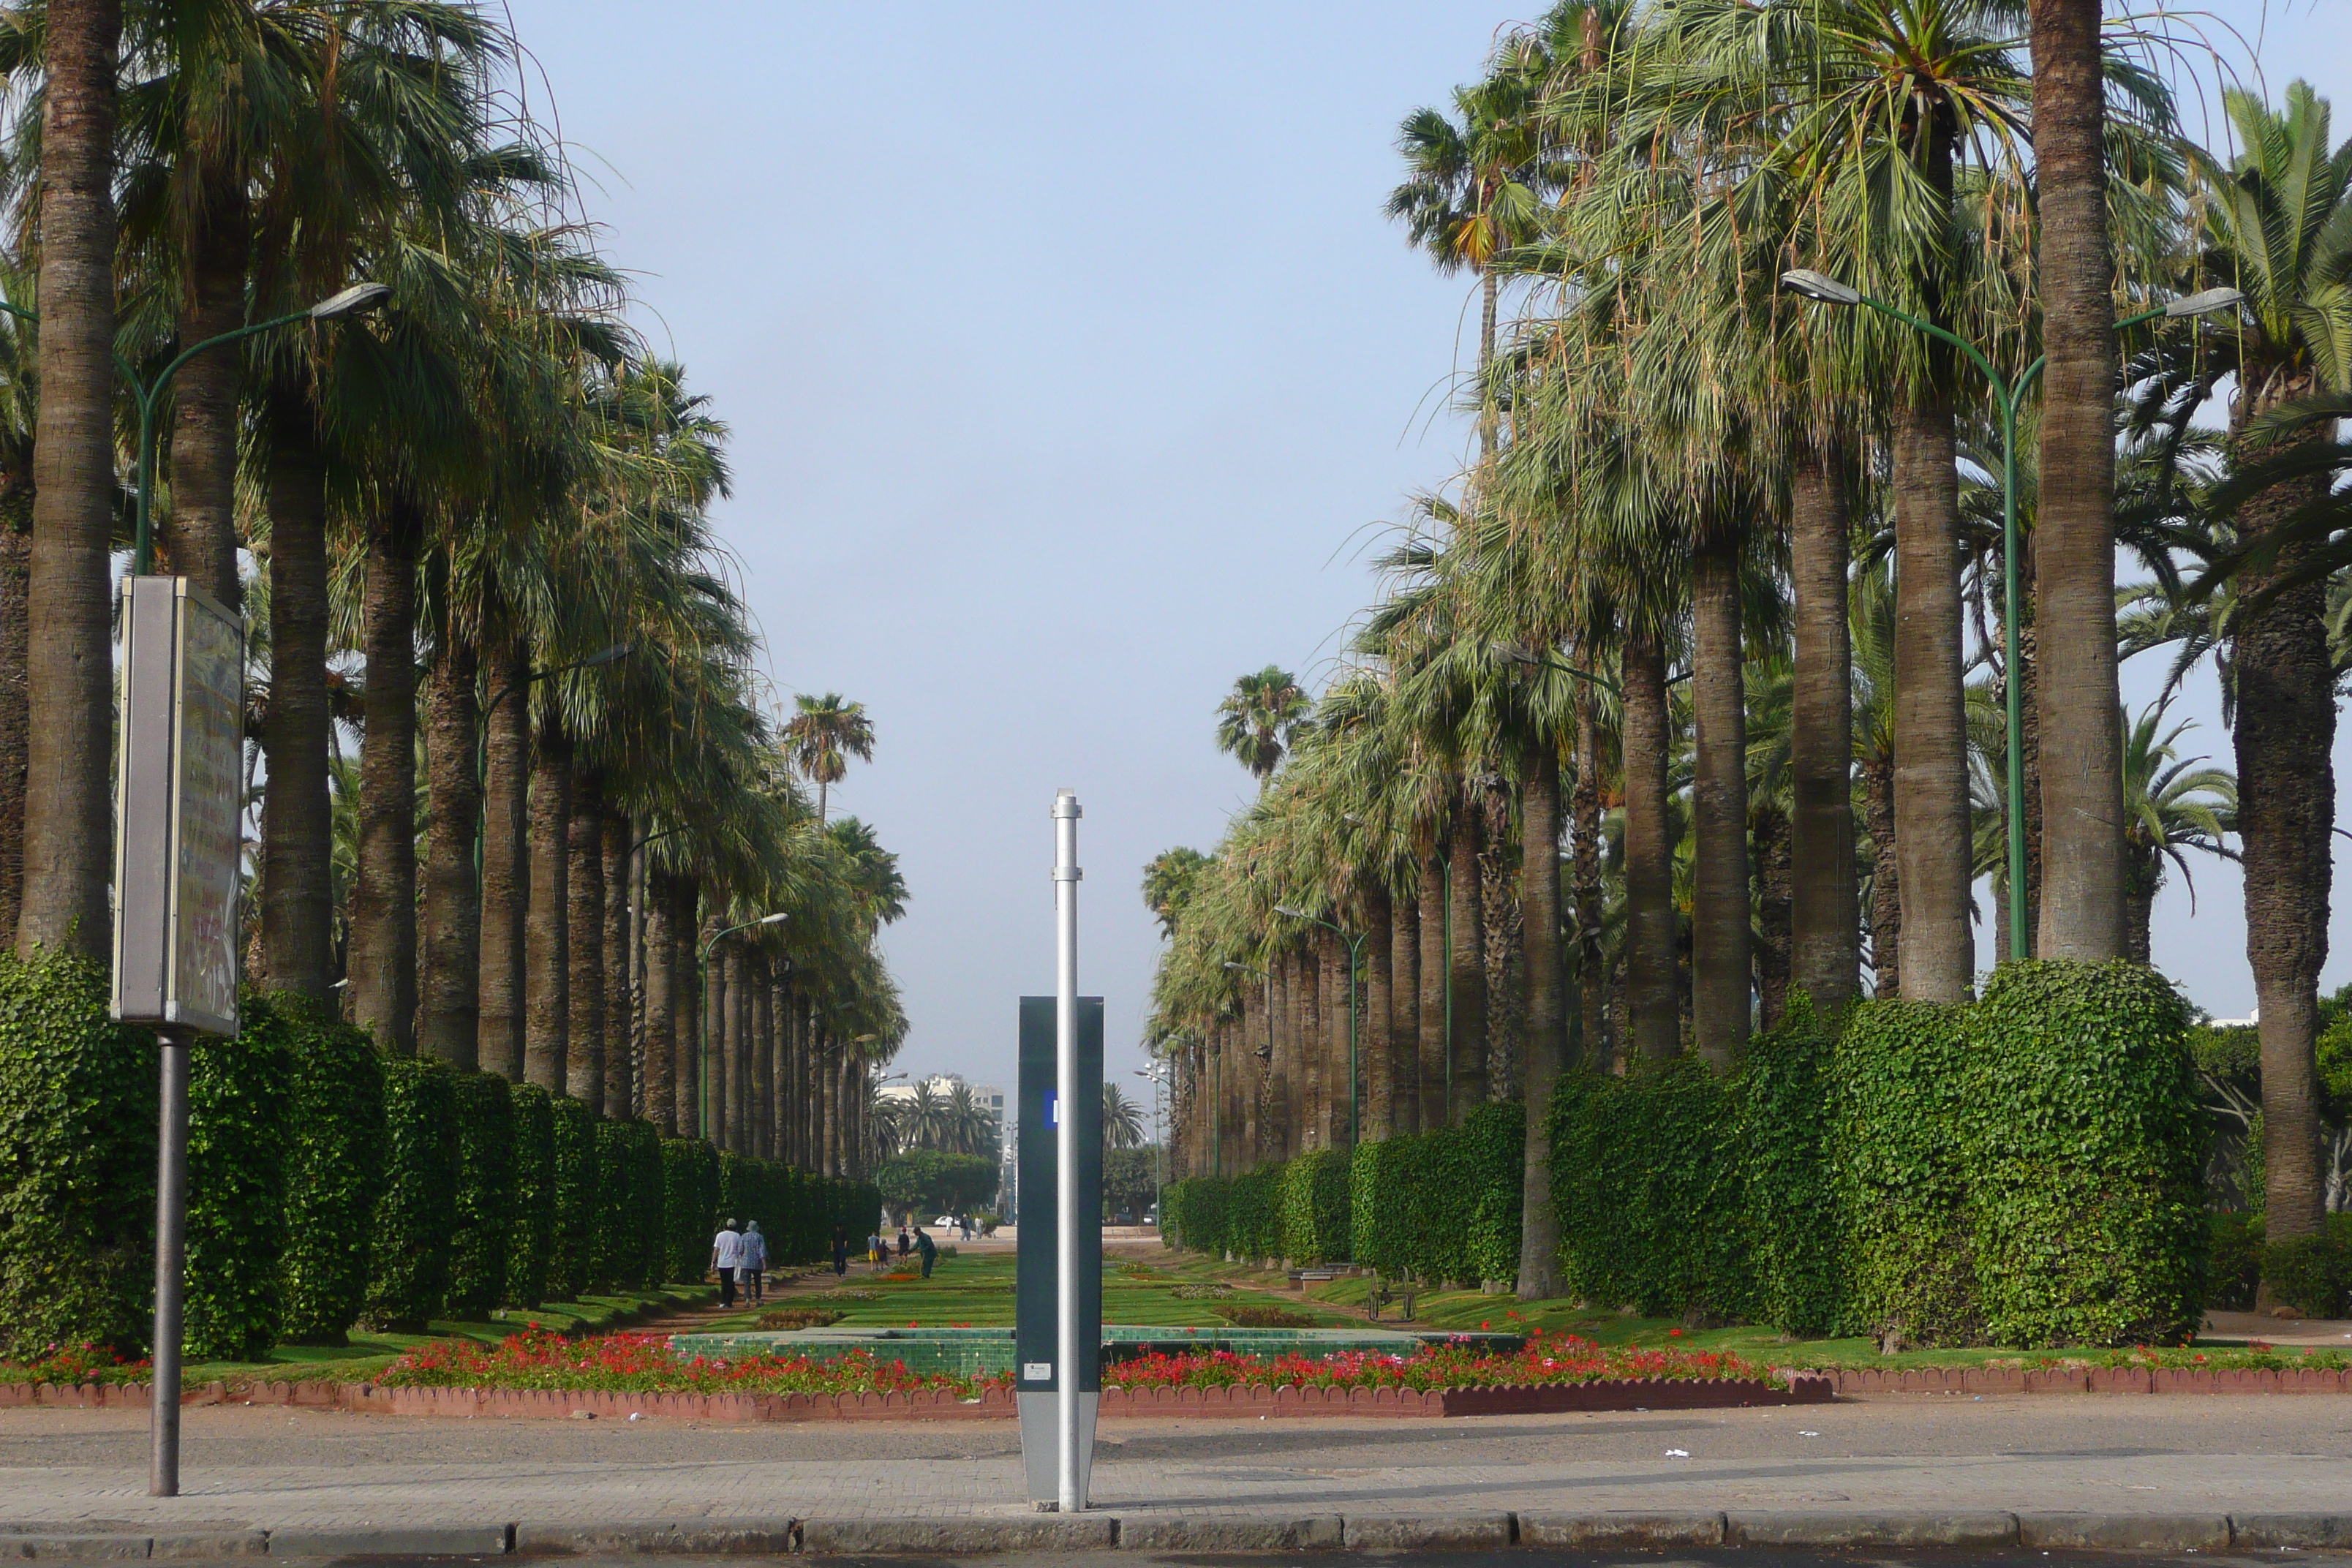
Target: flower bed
<point>1546,1359</point>
<point>70,1366</point>
<point>644,1363</point>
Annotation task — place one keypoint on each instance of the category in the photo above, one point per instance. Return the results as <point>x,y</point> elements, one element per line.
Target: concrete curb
<point>1613,1530</point>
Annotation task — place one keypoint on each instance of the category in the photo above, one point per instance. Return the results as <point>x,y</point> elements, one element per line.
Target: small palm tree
<point>1122,1121</point>
<point>825,732</point>
<point>1169,880</point>
<point>2171,803</point>
<point>1260,721</point>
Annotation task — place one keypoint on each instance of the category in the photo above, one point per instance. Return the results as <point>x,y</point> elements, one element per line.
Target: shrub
<point>238,1090</point>
<point>572,1238</point>
<point>1793,1215</point>
<point>927,1182</point>
<point>1315,1200</point>
<point>689,1205</point>
<point>483,1241</point>
<point>416,1210</point>
<point>795,1318</point>
<point>2312,1274</point>
<point>335,1140</point>
<point>2235,1271</point>
<point>1379,1217</point>
<point>648,1198</point>
<point>531,1228</point>
<point>1193,1214</point>
<point>1895,1082</point>
<point>1491,1169</point>
<point>1264,1317</point>
<point>77,1162</point>
<point>618,1258</point>
<point>1647,1182</point>
<point>1443,1205</point>
<point>2087,1158</point>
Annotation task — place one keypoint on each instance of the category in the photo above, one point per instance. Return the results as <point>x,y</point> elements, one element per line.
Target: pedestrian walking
<point>905,1247</point>
<point>840,1252</point>
<point>874,1247</point>
<point>928,1249</point>
<point>753,1269</point>
<point>726,1256</point>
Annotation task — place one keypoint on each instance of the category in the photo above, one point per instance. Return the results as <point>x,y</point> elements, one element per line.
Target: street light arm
<point>1976,355</point>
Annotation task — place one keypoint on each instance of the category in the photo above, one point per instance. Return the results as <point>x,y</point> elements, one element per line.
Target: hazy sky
<point>1072,370</point>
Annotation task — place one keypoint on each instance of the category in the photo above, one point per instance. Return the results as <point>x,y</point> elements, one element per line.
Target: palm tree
<point>2278,224</point>
<point>1122,1121</point>
<point>825,732</point>
<point>68,809</point>
<point>2171,803</point>
<point>1170,882</point>
<point>2082,883</point>
<point>1261,719</point>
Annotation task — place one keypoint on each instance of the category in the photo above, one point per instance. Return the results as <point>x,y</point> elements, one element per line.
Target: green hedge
<point>1443,1205</point>
<point>1314,1199</point>
<point>2235,1271</point>
<point>334,1155</point>
<point>629,1228</point>
<point>572,1221</point>
<point>2086,1158</point>
<point>690,1207</point>
<point>77,1162</point>
<point>238,1093</point>
<point>1902,1188</point>
<point>531,1232</point>
<point>483,1242</point>
<point>416,1209</point>
<point>2313,1274</point>
<point>1791,1218</point>
<point>1649,1198</point>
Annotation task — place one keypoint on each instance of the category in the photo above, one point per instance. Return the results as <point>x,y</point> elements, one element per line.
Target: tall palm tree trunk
<point>1436,1080</point>
<point>198,536</point>
<point>69,666</point>
<point>1933,832</point>
<point>584,900</point>
<point>728,965</point>
<point>1886,880</point>
<point>1405,1009</point>
<point>1720,910</point>
<point>763,1059</point>
<point>1650,938</point>
<point>1376,1039</point>
<point>547,931</point>
<point>1593,989</point>
<point>661,1053</point>
<point>298,884</point>
<point>1315,1009</point>
<point>383,900</point>
<point>448,1024</point>
<point>16,567</point>
<point>620,996</point>
<point>506,884</point>
<point>829,1089</point>
<point>2286,803</point>
<point>2074,531</point>
<point>1769,824</point>
<point>1825,937</point>
<point>1545,1049</point>
<point>1467,912</point>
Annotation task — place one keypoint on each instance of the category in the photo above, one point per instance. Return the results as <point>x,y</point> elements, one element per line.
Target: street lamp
<point>702,964</point>
<point>351,302</point>
<point>1355,948</point>
<point>1823,290</point>
<point>1159,1146</point>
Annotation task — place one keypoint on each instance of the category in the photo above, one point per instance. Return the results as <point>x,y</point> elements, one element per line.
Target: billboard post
<point>178,799</point>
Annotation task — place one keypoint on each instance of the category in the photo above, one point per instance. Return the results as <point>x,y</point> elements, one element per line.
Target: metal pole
<point>1066,1141</point>
<point>2012,672</point>
<point>1355,1109</point>
<point>170,1267</point>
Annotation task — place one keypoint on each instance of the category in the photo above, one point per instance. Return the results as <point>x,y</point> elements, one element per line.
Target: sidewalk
<point>290,1472</point>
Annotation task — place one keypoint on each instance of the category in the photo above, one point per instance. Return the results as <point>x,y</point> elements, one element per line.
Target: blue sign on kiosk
<point>1037,1280</point>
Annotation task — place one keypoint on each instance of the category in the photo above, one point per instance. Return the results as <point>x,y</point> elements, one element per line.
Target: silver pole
<point>1066,1139</point>
<point>170,1269</point>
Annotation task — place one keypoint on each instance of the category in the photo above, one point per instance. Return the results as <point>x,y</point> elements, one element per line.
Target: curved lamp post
<point>702,963</point>
<point>1823,290</point>
<point>1355,947</point>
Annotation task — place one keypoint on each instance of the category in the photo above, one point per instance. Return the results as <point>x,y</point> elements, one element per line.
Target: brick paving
<point>279,1469</point>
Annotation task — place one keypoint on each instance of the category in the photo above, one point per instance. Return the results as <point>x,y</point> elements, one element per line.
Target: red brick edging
<point>1239,1403</point>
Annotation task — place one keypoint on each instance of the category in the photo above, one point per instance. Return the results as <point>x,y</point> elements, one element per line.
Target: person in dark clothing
<point>905,1247</point>
<point>840,1251</point>
<point>928,1249</point>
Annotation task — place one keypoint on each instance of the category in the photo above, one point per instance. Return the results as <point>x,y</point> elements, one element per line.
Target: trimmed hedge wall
<point>531,1234</point>
<point>2086,1157</point>
<point>416,1209</point>
<point>1314,1202</point>
<point>237,1092</point>
<point>481,1243</point>
<point>77,1162</point>
<point>576,1193</point>
<point>1795,1248</point>
<point>690,1214</point>
<point>334,1153</point>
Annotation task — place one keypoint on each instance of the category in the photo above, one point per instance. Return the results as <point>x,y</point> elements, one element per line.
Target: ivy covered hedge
<point>417,1205</point>
<point>237,1092</point>
<point>481,1243</point>
<point>531,1234</point>
<point>1314,1207</point>
<point>334,1151</point>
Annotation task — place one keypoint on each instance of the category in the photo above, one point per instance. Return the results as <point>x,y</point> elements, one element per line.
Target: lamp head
<point>606,655</point>
<point>351,302</point>
<point>772,919</point>
<point>1818,286</point>
<point>2204,304</point>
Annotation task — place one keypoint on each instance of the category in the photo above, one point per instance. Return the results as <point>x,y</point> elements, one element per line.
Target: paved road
<point>273,1469</point>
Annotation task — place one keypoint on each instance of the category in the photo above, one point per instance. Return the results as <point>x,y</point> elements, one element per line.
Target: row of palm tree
<point>1690,691</point>
<point>477,523</point>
